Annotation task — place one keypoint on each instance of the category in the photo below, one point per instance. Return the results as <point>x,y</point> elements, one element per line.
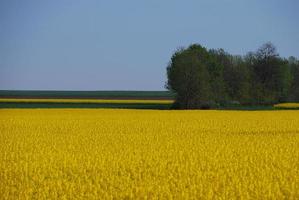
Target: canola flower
<point>147,154</point>
<point>112,101</point>
<point>287,105</point>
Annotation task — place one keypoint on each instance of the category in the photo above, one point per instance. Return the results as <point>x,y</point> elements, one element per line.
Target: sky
<point>126,45</point>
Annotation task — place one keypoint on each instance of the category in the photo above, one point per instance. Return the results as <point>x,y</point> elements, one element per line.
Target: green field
<point>113,95</point>
<point>87,105</point>
<point>111,99</point>
<point>87,94</point>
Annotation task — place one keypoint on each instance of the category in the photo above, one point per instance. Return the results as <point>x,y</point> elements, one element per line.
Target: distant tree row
<point>203,78</point>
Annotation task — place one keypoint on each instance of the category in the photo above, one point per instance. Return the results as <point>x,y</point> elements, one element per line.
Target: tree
<point>205,78</point>
<point>189,78</point>
<point>239,80</point>
<point>294,82</point>
<point>269,75</point>
<point>219,61</point>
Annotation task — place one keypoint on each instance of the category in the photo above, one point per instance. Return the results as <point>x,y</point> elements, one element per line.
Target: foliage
<point>294,88</point>
<point>188,77</point>
<point>259,78</point>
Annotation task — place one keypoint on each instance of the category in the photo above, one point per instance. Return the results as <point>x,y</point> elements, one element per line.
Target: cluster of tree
<point>203,78</point>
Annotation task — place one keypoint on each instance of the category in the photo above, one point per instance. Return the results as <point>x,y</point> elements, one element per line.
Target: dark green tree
<point>269,75</point>
<point>218,62</point>
<point>294,82</point>
<point>239,80</point>
<point>188,77</point>
<point>204,78</point>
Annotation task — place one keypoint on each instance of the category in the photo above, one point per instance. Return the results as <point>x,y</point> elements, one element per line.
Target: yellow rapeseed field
<point>287,105</point>
<point>147,154</point>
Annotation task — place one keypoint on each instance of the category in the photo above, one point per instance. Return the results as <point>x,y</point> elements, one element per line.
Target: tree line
<point>203,78</point>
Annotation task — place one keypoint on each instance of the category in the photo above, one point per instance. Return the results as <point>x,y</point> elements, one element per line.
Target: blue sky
<point>126,45</point>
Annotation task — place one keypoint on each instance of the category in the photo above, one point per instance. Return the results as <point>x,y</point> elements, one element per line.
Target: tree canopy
<point>204,78</point>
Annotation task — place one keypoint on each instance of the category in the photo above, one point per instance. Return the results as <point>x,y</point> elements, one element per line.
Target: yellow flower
<point>106,153</point>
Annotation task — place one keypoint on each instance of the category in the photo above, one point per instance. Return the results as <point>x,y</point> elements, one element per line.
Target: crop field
<point>287,105</point>
<point>148,154</point>
<point>145,95</point>
<point>112,101</point>
<point>86,103</point>
<point>160,100</point>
